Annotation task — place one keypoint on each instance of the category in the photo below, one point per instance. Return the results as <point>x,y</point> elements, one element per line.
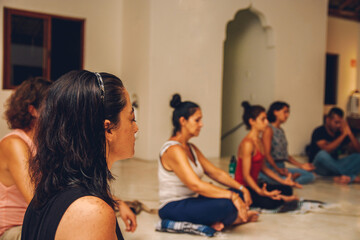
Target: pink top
<point>12,202</point>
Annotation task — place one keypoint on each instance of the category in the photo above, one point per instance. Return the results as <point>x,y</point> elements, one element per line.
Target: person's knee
<point>311,178</point>
<point>270,204</point>
<point>229,210</point>
<point>306,178</point>
<point>167,211</point>
<point>287,191</point>
<point>321,157</point>
<point>355,156</point>
<point>162,213</point>
<point>227,206</point>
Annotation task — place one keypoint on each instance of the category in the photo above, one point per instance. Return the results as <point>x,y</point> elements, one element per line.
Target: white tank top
<point>171,188</point>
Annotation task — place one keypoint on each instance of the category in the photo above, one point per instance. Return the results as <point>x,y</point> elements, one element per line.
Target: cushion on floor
<point>166,225</point>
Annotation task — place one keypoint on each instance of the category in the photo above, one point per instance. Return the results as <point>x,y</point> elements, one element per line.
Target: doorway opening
<point>248,73</point>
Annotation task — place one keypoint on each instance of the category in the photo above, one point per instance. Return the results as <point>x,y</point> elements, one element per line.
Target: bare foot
<point>218,226</point>
<point>289,198</point>
<point>253,216</point>
<point>356,180</point>
<point>343,179</point>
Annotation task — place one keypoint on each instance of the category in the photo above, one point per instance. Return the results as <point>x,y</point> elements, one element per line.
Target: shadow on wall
<point>248,72</point>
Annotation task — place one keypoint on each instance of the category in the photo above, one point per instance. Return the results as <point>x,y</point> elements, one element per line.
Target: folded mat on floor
<point>166,225</point>
<point>298,206</point>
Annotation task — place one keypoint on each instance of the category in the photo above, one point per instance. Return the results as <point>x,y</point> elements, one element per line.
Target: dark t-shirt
<point>41,223</point>
<point>320,133</point>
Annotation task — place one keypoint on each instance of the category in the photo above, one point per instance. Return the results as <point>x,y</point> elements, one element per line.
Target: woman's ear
<point>251,121</point>
<point>108,132</point>
<point>276,113</point>
<point>182,121</point>
<point>32,110</point>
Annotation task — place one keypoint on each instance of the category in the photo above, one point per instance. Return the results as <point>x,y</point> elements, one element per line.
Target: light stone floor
<point>137,179</point>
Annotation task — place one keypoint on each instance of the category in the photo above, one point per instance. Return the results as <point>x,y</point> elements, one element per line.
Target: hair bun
<point>175,101</point>
<point>245,104</point>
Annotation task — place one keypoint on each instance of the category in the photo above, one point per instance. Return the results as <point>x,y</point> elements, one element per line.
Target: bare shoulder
<point>13,142</point>
<point>268,130</point>
<point>88,217</point>
<point>13,149</point>
<point>247,143</point>
<point>174,151</point>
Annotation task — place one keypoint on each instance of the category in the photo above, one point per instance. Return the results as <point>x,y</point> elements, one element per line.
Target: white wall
<point>159,47</point>
<point>300,42</point>
<point>103,33</point>
<point>248,74</point>
<point>136,64</point>
<point>186,56</point>
<point>343,39</point>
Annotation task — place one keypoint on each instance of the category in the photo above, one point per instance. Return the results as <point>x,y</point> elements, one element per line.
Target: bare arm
<point>331,146</point>
<point>245,150</point>
<point>128,217</point>
<point>17,155</point>
<point>294,162</point>
<point>216,173</point>
<point>271,174</point>
<point>354,143</point>
<point>176,160</point>
<point>287,181</point>
<point>221,176</point>
<point>305,166</point>
<point>87,218</point>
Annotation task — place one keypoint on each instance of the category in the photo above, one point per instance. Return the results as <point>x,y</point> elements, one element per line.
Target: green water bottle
<point>232,166</point>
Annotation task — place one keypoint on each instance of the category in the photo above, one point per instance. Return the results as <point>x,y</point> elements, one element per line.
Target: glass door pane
<point>27,48</point>
<point>66,46</point>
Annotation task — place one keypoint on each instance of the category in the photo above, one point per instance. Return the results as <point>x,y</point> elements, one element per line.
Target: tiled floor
<point>137,179</point>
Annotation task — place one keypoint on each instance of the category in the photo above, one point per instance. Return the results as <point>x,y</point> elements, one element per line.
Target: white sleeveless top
<point>171,188</point>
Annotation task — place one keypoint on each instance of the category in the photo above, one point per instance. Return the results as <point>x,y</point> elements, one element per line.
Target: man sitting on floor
<point>328,142</point>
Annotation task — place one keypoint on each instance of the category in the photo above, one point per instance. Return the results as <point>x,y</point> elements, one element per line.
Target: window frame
<point>8,12</point>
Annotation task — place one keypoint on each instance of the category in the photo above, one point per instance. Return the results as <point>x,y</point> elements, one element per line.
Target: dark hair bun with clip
<point>175,101</point>
<point>245,104</point>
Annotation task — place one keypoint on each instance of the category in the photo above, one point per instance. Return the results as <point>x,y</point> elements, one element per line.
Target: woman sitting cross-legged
<point>16,148</point>
<point>183,195</point>
<point>251,162</point>
<point>276,152</point>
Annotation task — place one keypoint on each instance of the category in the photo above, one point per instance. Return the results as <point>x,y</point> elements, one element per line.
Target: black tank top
<point>42,223</point>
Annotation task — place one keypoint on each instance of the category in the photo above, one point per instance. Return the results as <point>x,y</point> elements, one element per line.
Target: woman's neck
<point>30,132</point>
<point>254,134</point>
<point>276,124</point>
<point>181,138</point>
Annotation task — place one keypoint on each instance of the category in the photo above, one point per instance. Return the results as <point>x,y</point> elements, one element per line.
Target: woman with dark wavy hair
<point>16,148</point>
<point>87,123</point>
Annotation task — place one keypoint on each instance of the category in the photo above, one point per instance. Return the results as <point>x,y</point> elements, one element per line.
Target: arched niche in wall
<point>248,72</point>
